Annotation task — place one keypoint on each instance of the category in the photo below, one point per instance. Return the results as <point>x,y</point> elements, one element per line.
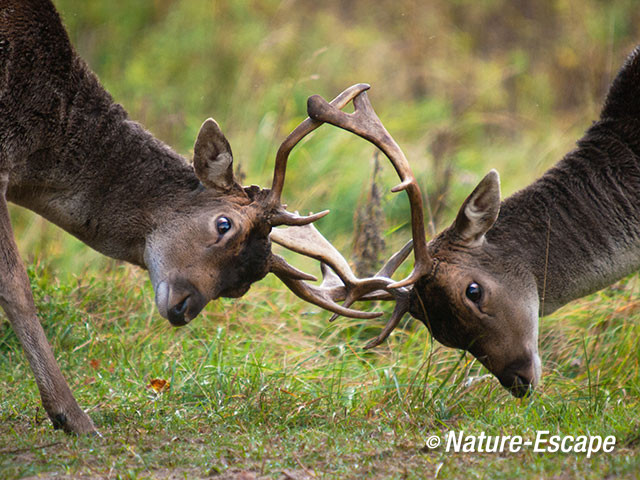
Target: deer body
<point>584,214</point>
<point>570,233</point>
<point>71,154</point>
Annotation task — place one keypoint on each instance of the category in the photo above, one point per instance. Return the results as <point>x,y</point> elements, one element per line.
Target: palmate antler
<point>339,282</point>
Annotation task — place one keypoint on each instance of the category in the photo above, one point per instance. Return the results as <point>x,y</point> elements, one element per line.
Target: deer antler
<point>339,282</point>
<point>323,296</point>
<point>365,123</point>
<point>280,216</point>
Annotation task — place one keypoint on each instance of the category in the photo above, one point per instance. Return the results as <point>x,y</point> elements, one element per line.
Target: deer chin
<point>236,292</point>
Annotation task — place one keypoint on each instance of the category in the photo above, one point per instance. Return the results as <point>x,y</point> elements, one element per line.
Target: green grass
<point>265,385</point>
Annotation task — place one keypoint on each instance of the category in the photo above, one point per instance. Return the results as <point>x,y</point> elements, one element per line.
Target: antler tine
<point>401,307</point>
<point>381,281</point>
<point>391,265</point>
<point>332,282</point>
<point>339,281</point>
<point>320,296</point>
<point>308,241</point>
<point>280,265</point>
<point>400,295</point>
<point>330,278</point>
<point>365,123</point>
<point>282,217</point>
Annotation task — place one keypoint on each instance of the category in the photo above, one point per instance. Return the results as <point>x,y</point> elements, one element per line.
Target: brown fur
<point>572,232</point>
<point>71,154</point>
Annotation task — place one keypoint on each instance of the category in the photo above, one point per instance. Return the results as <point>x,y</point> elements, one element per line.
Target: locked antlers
<point>339,282</point>
<point>365,123</point>
<point>307,240</point>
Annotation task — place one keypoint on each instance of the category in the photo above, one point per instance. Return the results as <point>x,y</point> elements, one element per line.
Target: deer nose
<point>522,376</point>
<point>179,301</point>
<point>176,314</point>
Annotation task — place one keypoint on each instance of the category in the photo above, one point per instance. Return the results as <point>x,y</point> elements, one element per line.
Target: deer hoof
<point>78,424</point>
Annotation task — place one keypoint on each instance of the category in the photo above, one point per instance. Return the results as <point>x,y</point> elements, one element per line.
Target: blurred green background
<point>464,86</point>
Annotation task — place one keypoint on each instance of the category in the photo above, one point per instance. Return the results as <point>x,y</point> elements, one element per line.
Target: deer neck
<point>577,228</point>
<point>99,175</point>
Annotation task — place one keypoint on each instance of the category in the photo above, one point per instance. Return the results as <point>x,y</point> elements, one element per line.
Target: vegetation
<point>263,386</point>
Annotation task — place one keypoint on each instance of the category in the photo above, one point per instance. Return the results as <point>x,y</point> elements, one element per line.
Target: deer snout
<point>179,301</point>
<point>521,376</point>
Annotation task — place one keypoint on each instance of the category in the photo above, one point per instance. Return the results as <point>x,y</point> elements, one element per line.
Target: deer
<point>71,154</point>
<point>482,284</point>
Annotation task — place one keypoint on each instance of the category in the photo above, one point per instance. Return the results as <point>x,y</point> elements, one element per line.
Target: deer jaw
<point>500,328</point>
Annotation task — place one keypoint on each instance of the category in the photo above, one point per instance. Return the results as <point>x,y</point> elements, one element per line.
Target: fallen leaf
<point>159,386</point>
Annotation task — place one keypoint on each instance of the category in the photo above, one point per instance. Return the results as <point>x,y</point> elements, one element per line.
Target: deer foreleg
<point>16,300</point>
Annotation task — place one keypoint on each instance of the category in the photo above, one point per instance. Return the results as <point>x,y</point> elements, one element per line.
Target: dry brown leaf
<point>158,385</point>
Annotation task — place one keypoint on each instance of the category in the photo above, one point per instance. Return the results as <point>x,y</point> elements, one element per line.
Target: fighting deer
<point>481,284</point>
<point>71,154</point>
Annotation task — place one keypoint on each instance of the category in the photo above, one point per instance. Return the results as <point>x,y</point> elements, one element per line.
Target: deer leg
<point>16,300</point>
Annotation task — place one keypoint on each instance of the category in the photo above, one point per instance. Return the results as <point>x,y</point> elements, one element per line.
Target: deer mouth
<point>522,378</point>
<point>176,314</point>
<point>518,386</point>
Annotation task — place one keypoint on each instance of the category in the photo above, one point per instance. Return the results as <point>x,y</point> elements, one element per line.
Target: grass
<point>266,387</point>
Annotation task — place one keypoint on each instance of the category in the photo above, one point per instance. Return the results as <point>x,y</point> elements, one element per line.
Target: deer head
<point>218,243</point>
<point>460,287</point>
<point>476,299</point>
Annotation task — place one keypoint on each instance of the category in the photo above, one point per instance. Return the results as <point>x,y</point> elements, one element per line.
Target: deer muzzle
<point>179,302</point>
<point>521,377</point>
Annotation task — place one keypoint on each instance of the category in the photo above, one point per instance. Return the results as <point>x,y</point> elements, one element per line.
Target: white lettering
<point>540,440</point>
<point>515,445</point>
<point>456,442</point>
<point>544,443</point>
<point>563,446</point>
<point>609,443</point>
<point>594,448</point>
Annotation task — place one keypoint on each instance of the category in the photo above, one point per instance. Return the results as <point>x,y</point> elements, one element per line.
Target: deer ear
<point>212,157</point>
<point>479,211</point>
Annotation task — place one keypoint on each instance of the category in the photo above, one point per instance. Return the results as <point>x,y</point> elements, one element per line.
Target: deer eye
<point>474,292</point>
<point>223,225</point>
